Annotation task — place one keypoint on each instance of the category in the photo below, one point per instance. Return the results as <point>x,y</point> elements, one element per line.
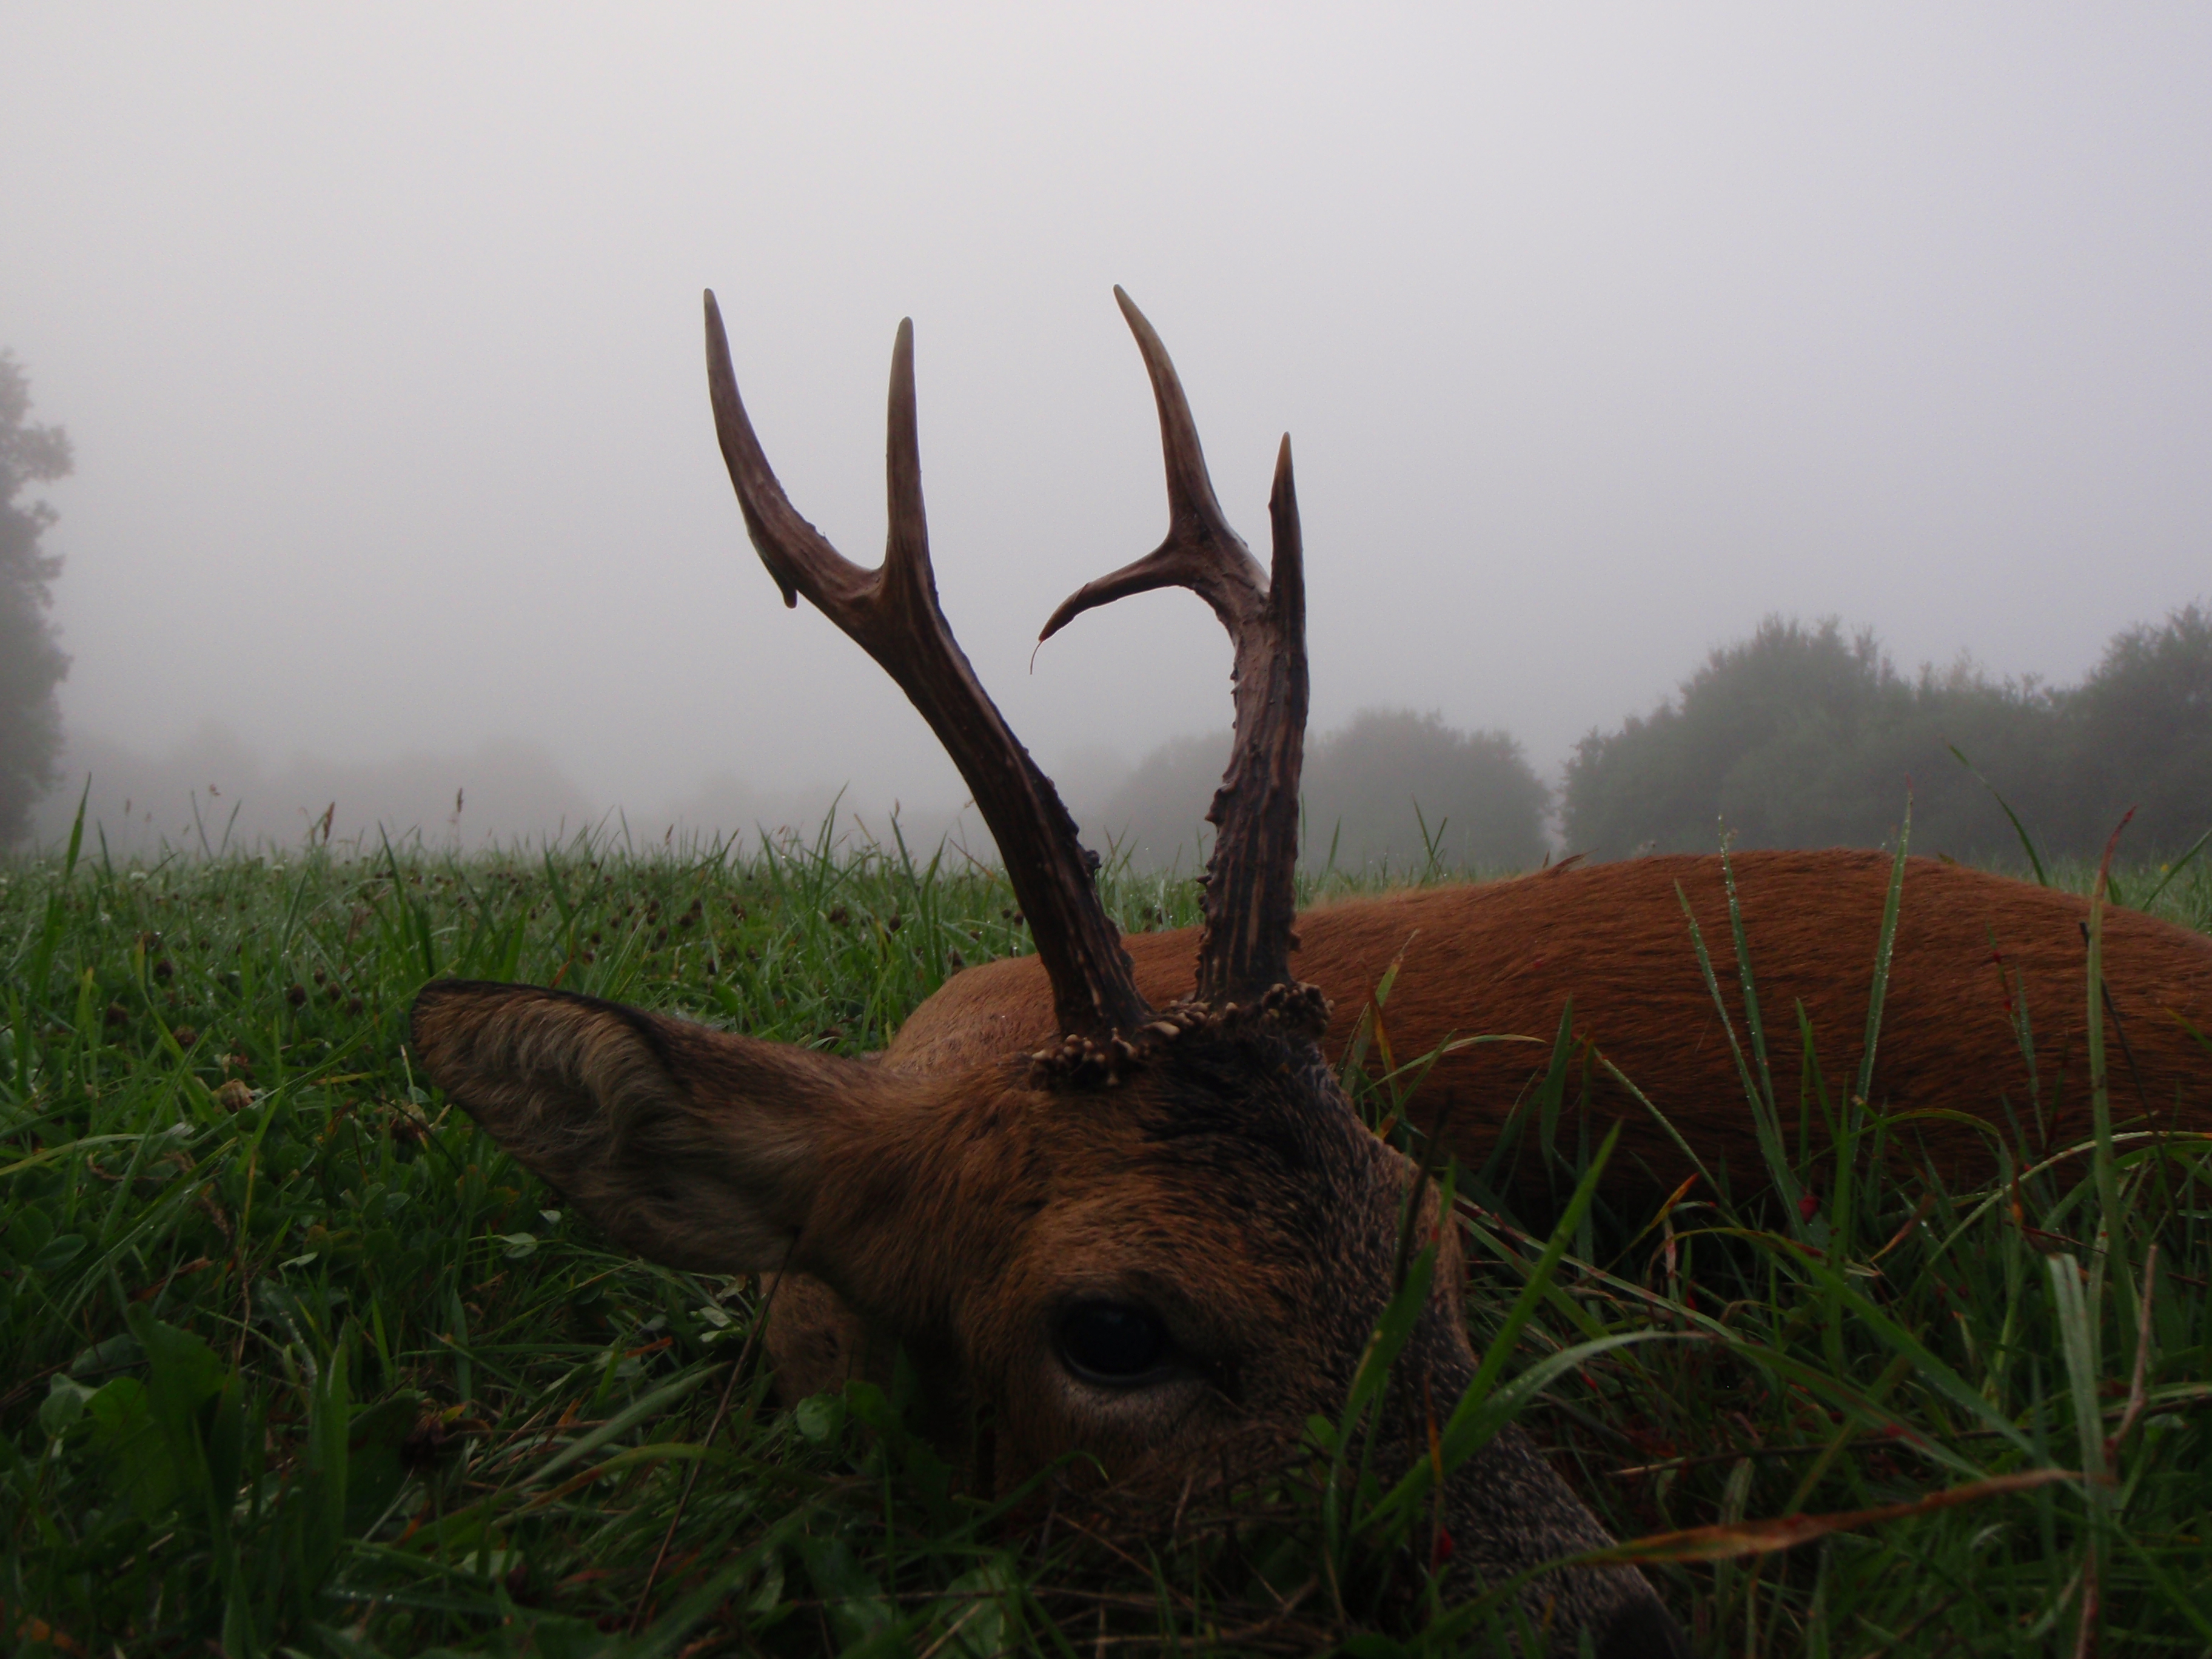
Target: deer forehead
<point>1206,1180</point>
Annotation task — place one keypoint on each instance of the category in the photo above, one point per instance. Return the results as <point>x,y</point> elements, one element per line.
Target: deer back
<point>1987,978</point>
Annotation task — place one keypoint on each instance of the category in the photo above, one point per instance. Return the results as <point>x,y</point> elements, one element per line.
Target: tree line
<point>1803,736</point>
<point>1392,788</point>
<point>31,659</point>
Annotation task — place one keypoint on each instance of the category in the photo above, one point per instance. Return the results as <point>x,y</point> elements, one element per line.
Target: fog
<point>1601,333</point>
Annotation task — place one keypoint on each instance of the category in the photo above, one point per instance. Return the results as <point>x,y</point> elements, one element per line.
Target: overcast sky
<point>1600,333</point>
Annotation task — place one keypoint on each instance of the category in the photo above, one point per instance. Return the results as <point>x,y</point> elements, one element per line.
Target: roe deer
<point>1987,995</point>
<point>1162,1237</point>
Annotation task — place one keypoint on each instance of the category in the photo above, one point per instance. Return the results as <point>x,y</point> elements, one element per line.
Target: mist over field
<point>213,792</point>
<point>1602,334</point>
<point>1394,788</point>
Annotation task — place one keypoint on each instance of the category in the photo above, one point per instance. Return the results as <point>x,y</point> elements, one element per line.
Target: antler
<point>892,614</point>
<point>1250,902</point>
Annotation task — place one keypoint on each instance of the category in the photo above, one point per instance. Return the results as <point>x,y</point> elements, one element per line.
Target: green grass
<point>295,1359</point>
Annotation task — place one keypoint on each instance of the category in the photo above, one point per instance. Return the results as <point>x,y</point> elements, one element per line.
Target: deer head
<point>1164,1234</point>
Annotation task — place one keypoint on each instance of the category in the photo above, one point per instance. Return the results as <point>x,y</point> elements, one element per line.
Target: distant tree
<point>1155,817</point>
<point>1372,790</point>
<point>2141,734</point>
<point>1393,780</point>
<point>1827,783</point>
<point>1801,737</point>
<point>1659,781</point>
<point>31,663</point>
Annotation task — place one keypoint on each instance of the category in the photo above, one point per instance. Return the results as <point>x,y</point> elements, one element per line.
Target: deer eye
<point>1113,1343</point>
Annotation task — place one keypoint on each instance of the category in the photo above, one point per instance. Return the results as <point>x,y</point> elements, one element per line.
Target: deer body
<point>1505,958</point>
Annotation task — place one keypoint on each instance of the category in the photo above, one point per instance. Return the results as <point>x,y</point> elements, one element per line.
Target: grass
<point>295,1360</point>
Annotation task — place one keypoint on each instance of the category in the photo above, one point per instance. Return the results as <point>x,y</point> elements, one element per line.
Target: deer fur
<point>1505,957</point>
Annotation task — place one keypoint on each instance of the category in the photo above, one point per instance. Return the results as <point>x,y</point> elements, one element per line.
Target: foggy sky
<point>1600,333</point>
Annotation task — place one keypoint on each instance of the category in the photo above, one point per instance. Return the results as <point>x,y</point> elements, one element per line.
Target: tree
<point>1662,783</point>
<point>2143,734</point>
<point>1401,787</point>
<point>1802,737</point>
<point>1393,786</point>
<point>32,663</point>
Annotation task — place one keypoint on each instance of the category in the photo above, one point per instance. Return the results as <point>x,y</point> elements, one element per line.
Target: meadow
<point>293,1360</point>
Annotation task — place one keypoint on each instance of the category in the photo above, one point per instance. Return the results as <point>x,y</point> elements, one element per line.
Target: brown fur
<point>1505,958</point>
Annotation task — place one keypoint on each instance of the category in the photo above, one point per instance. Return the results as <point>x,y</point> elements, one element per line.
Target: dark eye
<point>1112,1343</point>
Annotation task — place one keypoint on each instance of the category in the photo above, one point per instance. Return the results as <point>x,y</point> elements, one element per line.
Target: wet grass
<point>295,1359</point>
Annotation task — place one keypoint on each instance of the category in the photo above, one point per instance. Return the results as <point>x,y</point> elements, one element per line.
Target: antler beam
<point>892,614</point>
<point>1250,899</point>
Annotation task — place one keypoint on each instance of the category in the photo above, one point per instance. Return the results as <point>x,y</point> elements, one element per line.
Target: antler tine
<point>796,554</point>
<point>1200,552</point>
<point>892,614</point>
<point>1249,899</point>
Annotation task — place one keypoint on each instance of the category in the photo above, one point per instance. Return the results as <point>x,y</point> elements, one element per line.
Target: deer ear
<point>693,1147</point>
